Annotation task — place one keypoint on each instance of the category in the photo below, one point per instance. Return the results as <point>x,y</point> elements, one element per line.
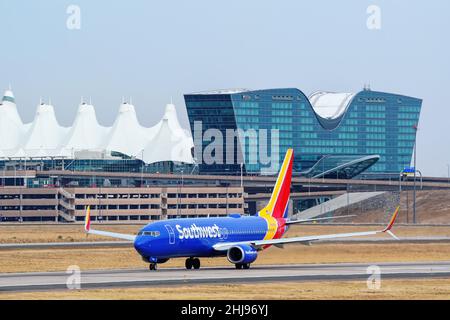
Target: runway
<point>218,275</point>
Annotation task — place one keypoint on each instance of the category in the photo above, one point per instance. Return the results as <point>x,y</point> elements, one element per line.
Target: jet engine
<point>155,260</point>
<point>242,254</point>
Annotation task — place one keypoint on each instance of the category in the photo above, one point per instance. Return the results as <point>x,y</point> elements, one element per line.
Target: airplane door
<point>171,234</point>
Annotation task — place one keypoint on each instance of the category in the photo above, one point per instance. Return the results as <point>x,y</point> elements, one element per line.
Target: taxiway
<point>258,273</point>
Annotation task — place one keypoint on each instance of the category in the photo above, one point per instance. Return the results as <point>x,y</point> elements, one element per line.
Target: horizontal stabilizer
<point>317,219</point>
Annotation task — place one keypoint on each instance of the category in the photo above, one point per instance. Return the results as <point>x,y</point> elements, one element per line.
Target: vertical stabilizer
<point>279,201</point>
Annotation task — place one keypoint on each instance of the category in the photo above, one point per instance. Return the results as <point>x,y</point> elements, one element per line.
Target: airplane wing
<point>260,243</point>
<point>317,219</point>
<point>87,228</point>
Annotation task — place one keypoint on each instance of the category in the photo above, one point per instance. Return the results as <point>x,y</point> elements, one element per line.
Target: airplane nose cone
<point>141,244</point>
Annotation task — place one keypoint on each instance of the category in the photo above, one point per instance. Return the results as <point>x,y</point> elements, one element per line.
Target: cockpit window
<point>149,233</point>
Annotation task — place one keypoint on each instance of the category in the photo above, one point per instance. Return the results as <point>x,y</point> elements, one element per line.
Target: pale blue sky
<point>156,50</point>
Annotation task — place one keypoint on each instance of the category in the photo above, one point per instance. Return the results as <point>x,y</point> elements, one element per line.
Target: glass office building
<point>334,135</point>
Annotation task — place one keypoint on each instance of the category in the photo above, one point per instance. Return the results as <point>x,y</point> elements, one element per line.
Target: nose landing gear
<point>192,263</point>
<point>152,266</point>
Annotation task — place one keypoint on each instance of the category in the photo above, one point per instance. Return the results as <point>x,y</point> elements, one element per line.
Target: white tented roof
<point>11,126</point>
<point>167,144</point>
<point>127,135</point>
<point>85,133</point>
<point>171,116</point>
<point>169,141</point>
<point>330,105</point>
<point>87,139</point>
<point>45,134</point>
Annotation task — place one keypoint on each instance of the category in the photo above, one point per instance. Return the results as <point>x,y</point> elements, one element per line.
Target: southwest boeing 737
<point>237,237</point>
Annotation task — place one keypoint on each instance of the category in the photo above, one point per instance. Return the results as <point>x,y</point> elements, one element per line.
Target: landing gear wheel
<point>196,263</point>
<point>246,266</point>
<point>189,263</point>
<point>152,266</point>
<point>238,266</point>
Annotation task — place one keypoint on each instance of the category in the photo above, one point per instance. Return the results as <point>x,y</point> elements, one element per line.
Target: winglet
<point>391,223</point>
<point>87,219</point>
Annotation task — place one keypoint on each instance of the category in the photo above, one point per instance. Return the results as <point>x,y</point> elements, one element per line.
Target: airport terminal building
<point>126,171</point>
<point>334,135</point>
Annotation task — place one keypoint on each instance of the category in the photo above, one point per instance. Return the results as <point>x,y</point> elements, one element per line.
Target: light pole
<point>400,178</point>
<point>415,166</point>
<point>241,175</point>
<point>179,190</point>
<point>20,204</point>
<point>100,204</point>
<point>448,173</point>
<point>142,168</point>
<point>309,186</point>
<point>182,179</point>
<point>323,170</point>
<point>407,206</point>
<point>348,201</point>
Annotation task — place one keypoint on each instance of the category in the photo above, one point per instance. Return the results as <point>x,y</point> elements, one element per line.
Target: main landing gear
<point>242,265</point>
<point>192,263</point>
<point>152,266</point>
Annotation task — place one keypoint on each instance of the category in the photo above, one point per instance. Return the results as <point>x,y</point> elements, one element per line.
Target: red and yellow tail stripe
<point>277,208</point>
<point>278,204</point>
<point>272,227</point>
<point>87,219</point>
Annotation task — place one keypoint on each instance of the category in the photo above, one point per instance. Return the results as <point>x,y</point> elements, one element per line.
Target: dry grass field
<point>410,289</point>
<point>29,260</point>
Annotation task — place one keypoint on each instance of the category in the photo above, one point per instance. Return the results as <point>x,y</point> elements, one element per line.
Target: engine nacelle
<point>242,254</point>
<point>155,260</point>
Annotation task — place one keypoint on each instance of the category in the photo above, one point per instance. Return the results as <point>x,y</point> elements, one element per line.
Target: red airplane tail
<point>279,201</point>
